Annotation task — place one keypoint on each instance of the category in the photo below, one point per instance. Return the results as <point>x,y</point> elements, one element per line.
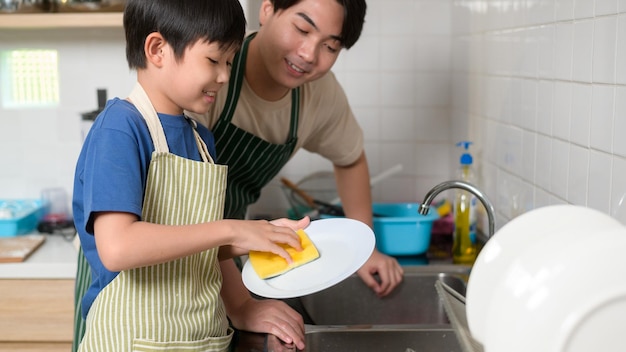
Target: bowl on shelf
<point>25,6</point>
<point>90,5</point>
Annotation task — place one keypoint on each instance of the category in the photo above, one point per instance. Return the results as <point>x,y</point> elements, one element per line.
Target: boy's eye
<point>213,61</point>
<point>301,30</point>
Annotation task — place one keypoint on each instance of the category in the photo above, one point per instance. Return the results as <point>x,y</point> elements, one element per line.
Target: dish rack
<point>320,185</point>
<point>454,305</point>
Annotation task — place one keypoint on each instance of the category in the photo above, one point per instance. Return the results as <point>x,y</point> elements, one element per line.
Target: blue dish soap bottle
<point>464,249</point>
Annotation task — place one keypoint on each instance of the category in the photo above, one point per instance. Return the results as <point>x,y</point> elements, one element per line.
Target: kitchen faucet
<point>430,196</point>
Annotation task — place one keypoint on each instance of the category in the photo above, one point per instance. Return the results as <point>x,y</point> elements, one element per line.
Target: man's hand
<point>389,272</point>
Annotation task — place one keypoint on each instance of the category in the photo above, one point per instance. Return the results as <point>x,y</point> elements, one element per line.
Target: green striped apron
<point>81,285</point>
<point>174,306</point>
<point>252,161</point>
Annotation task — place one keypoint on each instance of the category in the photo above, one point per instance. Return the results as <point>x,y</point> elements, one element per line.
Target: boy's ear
<point>267,9</point>
<point>154,49</point>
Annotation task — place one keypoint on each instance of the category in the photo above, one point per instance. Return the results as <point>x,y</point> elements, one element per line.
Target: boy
<point>148,198</point>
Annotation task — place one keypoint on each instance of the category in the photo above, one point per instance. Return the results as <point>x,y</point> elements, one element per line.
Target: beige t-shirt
<point>326,124</point>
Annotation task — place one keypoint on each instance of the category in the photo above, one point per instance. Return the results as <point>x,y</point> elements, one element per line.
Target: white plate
<point>344,246</point>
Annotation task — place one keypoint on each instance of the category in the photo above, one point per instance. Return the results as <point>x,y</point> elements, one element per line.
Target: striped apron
<point>81,285</point>
<point>176,305</point>
<point>252,161</point>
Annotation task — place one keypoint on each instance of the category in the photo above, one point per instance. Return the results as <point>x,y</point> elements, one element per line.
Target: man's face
<point>300,44</point>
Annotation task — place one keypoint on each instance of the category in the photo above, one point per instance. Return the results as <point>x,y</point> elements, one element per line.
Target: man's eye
<point>331,48</point>
<point>301,30</point>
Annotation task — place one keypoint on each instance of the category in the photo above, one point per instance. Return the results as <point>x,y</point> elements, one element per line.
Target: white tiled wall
<point>39,147</point>
<point>542,83</point>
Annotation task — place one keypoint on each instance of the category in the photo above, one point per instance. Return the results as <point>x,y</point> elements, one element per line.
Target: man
<point>283,97</point>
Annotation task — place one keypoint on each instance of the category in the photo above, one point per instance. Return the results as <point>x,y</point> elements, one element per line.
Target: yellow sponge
<point>268,264</point>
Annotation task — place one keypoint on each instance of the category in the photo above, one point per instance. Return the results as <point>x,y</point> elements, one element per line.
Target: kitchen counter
<point>37,298</point>
<point>55,259</point>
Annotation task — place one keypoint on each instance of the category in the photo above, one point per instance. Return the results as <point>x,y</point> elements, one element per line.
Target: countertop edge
<point>38,271</point>
<point>55,259</point>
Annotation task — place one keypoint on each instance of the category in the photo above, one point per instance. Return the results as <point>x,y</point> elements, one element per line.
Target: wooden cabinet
<point>61,20</point>
<point>36,315</point>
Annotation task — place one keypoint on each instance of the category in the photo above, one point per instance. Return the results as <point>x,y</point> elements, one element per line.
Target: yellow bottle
<point>464,249</point>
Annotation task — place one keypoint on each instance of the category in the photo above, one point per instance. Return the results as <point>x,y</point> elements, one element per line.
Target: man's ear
<point>154,48</point>
<point>266,10</point>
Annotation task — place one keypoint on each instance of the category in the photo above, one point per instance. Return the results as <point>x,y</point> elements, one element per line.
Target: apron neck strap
<point>141,101</point>
<point>202,148</point>
<point>234,89</point>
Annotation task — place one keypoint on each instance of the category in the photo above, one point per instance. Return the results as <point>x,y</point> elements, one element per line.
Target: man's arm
<point>353,186</point>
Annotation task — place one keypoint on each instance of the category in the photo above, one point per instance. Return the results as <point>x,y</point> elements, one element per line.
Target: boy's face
<point>192,82</point>
<point>300,44</point>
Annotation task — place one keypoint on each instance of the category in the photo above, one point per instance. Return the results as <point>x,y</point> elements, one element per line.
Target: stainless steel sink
<point>415,301</point>
<point>349,317</point>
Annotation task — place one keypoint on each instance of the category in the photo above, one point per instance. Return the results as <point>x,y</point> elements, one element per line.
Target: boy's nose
<point>223,75</point>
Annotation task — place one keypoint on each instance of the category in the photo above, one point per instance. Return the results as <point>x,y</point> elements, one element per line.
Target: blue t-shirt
<point>112,170</point>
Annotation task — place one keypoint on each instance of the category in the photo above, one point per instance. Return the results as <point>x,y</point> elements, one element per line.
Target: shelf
<point>61,20</point>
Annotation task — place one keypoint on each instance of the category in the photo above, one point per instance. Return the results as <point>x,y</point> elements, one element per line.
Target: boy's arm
<point>124,242</point>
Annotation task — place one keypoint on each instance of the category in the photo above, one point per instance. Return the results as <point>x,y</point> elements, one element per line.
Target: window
<point>30,78</point>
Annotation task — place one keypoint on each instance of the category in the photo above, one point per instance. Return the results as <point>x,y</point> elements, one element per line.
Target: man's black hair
<point>353,18</point>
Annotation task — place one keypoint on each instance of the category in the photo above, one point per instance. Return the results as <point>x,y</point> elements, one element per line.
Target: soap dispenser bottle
<point>464,249</point>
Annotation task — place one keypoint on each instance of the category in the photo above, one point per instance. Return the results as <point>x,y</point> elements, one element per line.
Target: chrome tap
<point>430,196</point>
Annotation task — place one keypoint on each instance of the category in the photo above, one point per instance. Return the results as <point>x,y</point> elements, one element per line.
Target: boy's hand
<point>272,317</point>
<point>266,236</point>
<point>292,224</point>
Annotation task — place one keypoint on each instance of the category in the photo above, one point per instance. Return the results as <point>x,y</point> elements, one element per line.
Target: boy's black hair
<point>182,23</point>
<point>353,18</point>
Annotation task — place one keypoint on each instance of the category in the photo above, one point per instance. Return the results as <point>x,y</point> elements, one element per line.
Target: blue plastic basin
<point>401,230</point>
